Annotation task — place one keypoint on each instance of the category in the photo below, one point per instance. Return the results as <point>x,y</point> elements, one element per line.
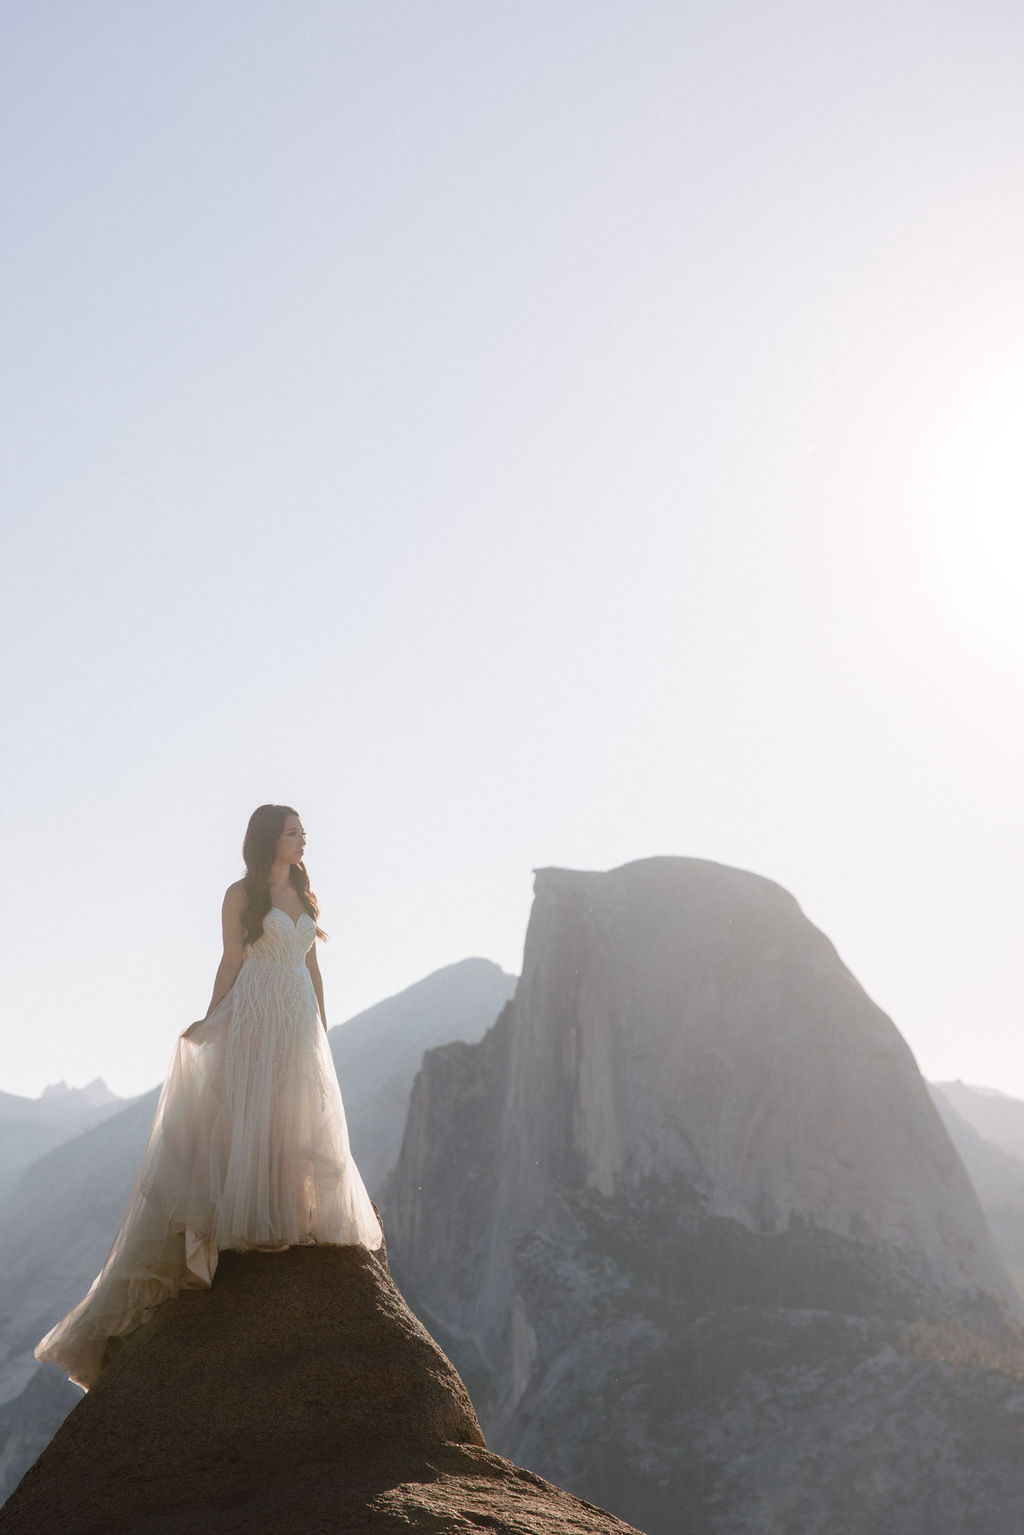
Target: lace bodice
<point>283,941</point>
<point>274,988</point>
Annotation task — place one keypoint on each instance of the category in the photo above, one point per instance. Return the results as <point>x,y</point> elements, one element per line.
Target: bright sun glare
<point>997,510</point>
<point>986,552</point>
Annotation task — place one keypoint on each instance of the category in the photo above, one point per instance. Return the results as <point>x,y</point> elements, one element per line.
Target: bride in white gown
<point>249,1146</point>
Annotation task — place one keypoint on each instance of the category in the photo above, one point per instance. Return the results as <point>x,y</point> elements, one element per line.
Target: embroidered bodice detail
<point>282,941</point>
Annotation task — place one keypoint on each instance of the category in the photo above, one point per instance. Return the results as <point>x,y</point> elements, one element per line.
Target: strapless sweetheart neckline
<point>293,920</point>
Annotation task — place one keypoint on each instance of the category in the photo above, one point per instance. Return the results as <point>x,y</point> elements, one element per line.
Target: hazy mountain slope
<point>29,1127</point>
<point>996,1116</point>
<point>56,1230</point>
<point>692,1230</point>
<point>998,1178</point>
<point>378,1052</point>
<point>28,1422</point>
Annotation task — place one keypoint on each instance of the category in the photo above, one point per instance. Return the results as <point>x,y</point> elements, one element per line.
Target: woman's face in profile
<point>291,843</point>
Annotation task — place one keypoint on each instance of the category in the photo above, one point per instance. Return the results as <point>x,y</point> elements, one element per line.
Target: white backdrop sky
<point>514,433</point>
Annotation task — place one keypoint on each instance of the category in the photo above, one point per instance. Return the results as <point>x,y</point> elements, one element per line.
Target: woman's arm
<point>231,960</point>
<point>313,966</point>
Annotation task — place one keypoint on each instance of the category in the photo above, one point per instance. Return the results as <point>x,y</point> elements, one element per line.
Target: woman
<point>249,1146</point>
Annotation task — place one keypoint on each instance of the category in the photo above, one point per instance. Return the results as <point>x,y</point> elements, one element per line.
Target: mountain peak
<point>92,1096</point>
<point>679,1017</point>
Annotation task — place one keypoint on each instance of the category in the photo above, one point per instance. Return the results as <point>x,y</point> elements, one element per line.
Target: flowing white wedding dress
<point>249,1147</point>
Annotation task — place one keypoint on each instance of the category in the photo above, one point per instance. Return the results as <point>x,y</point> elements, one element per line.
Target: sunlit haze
<point>513,434</point>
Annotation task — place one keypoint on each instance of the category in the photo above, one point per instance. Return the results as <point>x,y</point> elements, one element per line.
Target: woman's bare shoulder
<point>234,896</point>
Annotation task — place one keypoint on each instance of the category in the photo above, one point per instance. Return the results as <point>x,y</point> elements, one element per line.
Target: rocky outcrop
<point>57,1225</point>
<point>297,1394</point>
<point>689,1201</point>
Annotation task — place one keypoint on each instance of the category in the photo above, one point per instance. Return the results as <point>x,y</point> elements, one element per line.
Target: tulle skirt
<point>249,1148</point>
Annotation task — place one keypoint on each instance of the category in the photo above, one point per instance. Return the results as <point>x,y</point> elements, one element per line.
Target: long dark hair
<point>261,837</point>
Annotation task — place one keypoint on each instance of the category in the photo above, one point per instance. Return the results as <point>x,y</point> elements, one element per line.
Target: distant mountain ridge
<point>29,1127</point>
<point>58,1098</point>
<point>94,1093</point>
<point>996,1172</point>
<point>995,1115</point>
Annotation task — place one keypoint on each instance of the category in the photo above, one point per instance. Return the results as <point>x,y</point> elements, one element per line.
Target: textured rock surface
<point>690,1226</point>
<point>298,1394</point>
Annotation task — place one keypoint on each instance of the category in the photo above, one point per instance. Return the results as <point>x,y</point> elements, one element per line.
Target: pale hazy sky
<point>515,434</point>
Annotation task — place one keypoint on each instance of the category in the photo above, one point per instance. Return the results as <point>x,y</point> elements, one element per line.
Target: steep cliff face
<point>692,1165</point>
<point>298,1394</point>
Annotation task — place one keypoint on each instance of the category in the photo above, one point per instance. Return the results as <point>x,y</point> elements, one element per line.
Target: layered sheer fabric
<point>249,1148</point>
